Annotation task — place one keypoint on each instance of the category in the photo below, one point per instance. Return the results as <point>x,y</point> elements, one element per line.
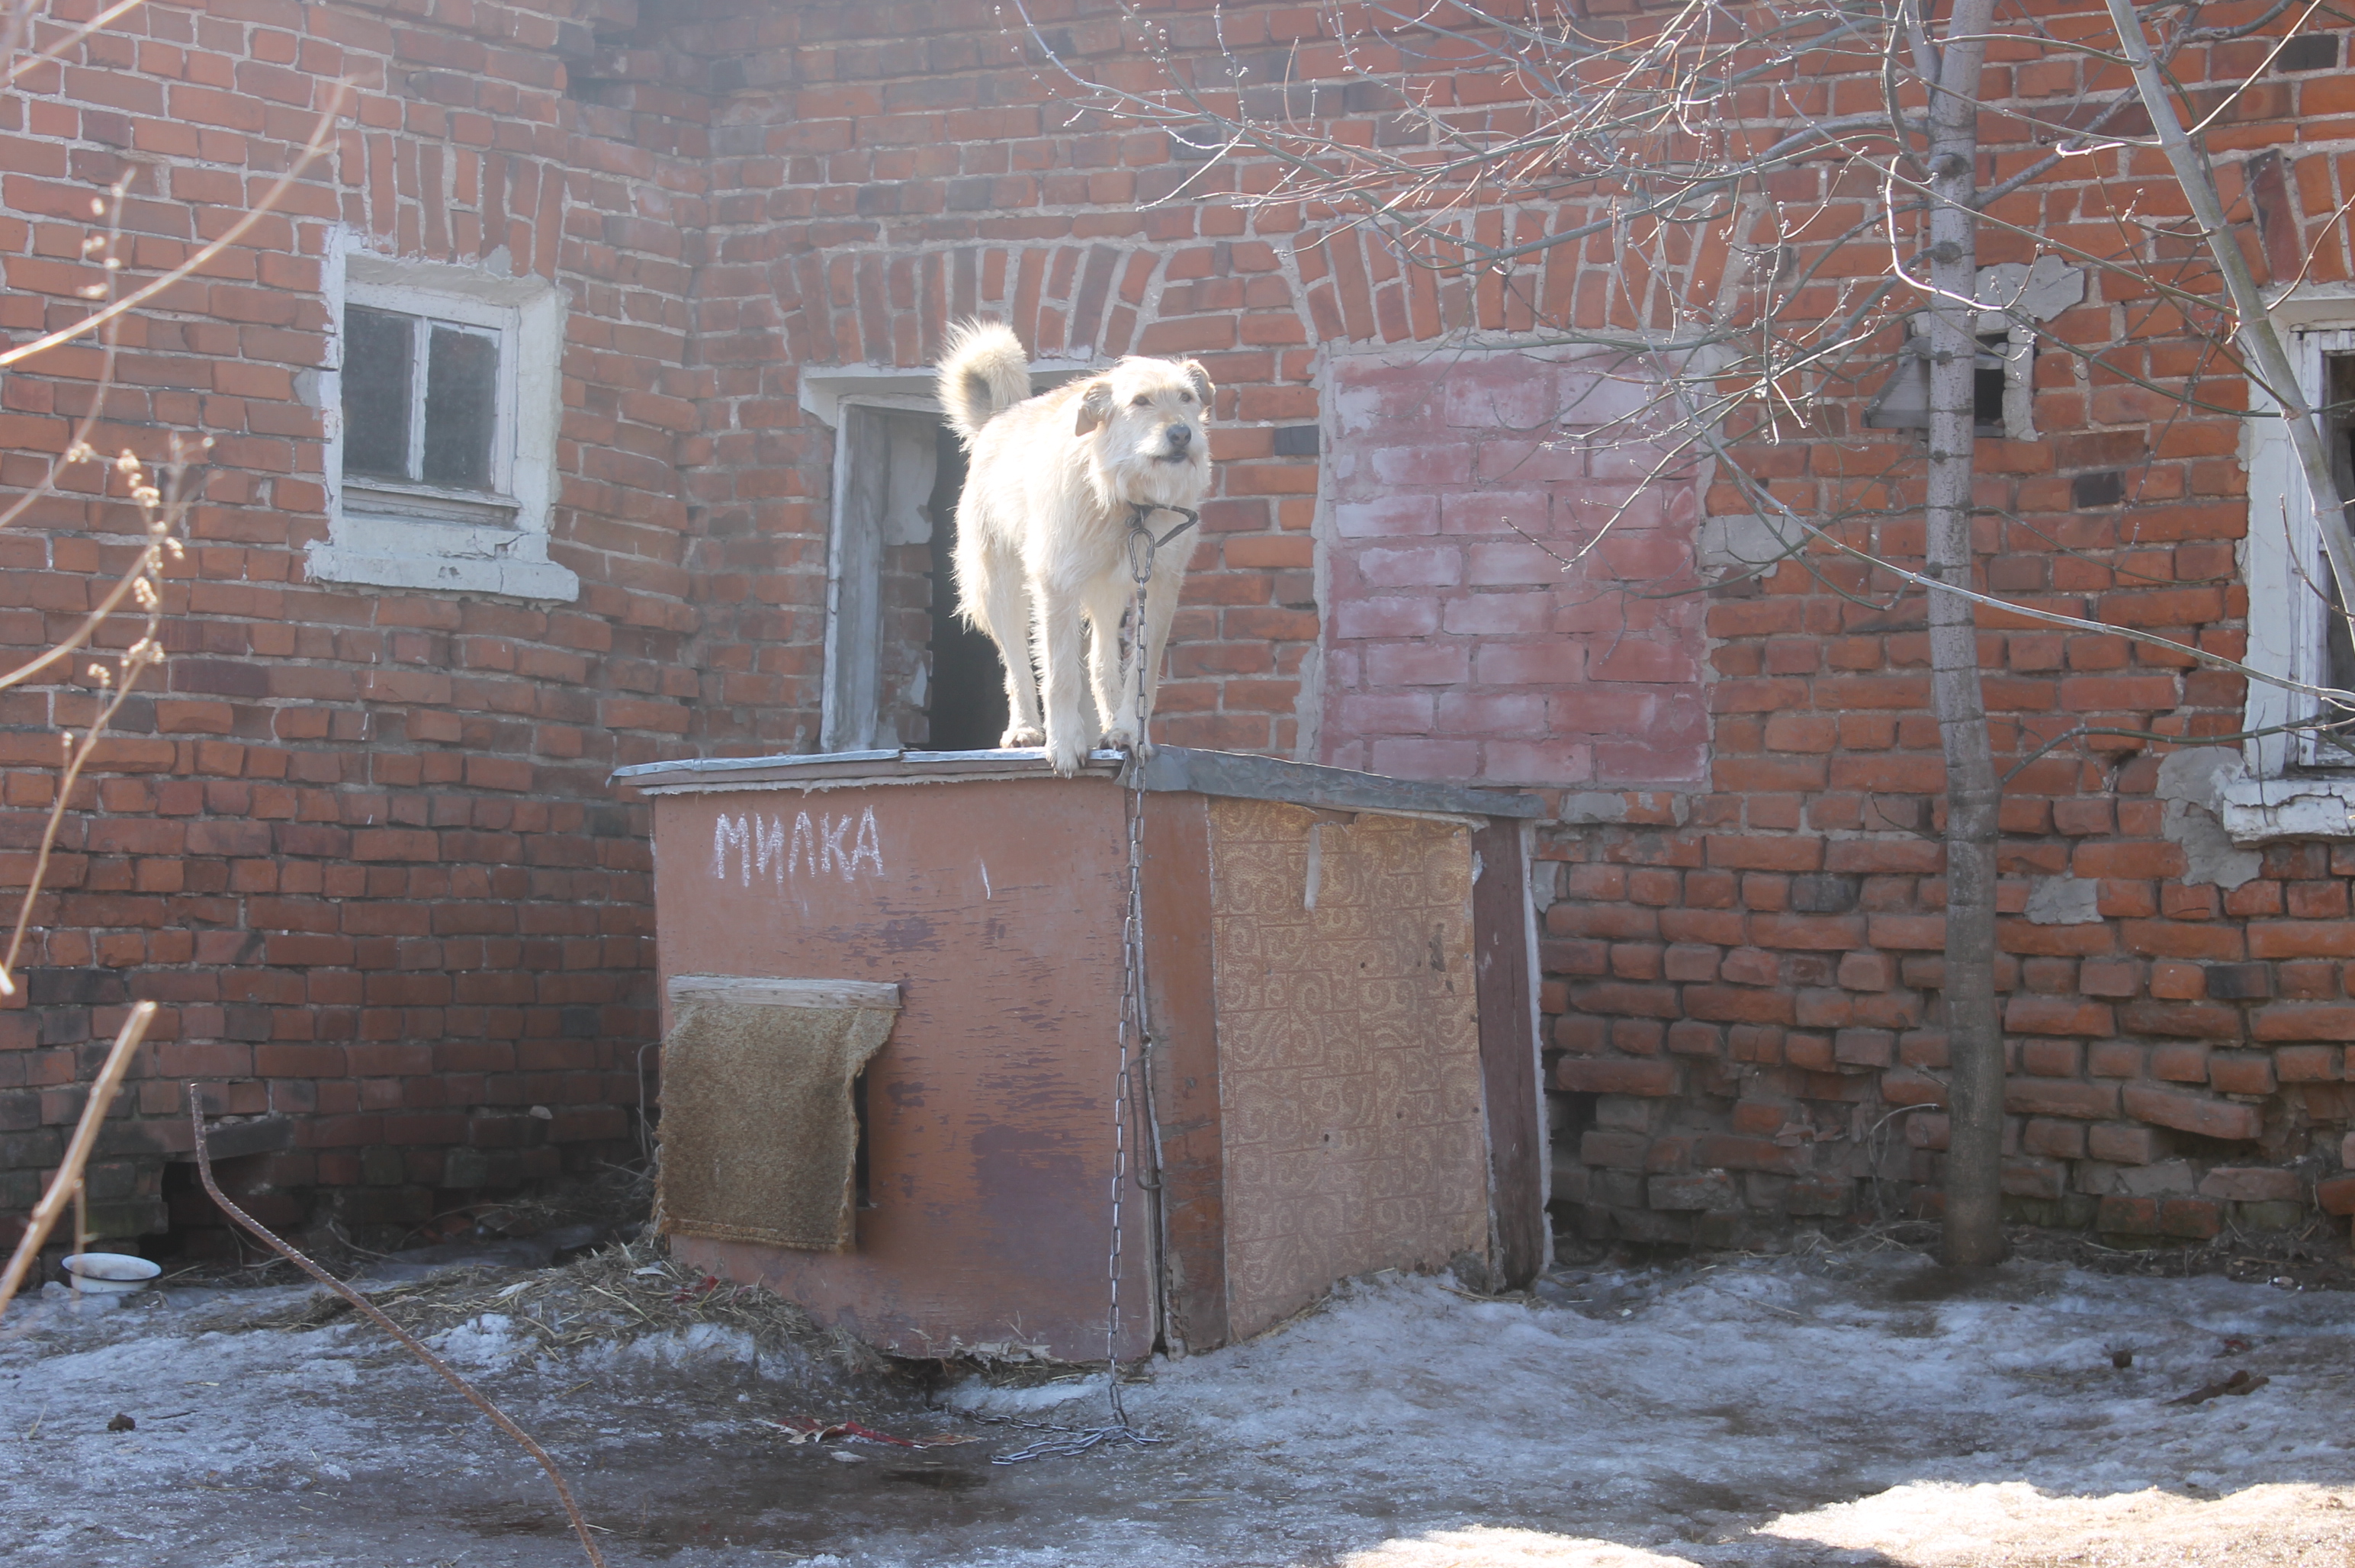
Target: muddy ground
<point>1856,1409</point>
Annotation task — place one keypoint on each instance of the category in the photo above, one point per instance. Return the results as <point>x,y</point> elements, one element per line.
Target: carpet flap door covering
<point>760,1135</point>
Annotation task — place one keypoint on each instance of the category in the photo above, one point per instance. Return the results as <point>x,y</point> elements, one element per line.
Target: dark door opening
<point>966,711</point>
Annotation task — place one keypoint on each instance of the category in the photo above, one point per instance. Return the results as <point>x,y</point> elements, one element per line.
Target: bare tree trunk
<point>1973,1233</point>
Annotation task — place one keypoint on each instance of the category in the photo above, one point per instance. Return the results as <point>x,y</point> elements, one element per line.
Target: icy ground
<point>1852,1411</point>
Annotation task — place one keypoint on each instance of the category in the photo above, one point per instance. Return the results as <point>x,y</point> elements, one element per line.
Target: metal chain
<point>1066,1441</point>
<point>1131,1004</point>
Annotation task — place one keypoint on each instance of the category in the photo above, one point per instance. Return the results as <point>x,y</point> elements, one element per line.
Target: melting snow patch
<point>1766,1415</point>
<point>487,1343</point>
<point>697,1344</point>
<point>1483,1546</point>
<point>977,1398</point>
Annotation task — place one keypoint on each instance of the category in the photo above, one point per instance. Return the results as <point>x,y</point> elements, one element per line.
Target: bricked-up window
<point>442,392</point>
<point>1456,645</point>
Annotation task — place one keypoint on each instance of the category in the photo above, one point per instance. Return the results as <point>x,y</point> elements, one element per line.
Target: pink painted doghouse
<point>1343,1072</point>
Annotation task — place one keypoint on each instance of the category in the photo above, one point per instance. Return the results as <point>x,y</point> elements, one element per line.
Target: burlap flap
<point>758,1132</point>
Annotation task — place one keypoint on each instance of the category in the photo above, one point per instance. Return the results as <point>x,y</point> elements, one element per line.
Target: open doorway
<point>966,706</point>
<point>900,669</point>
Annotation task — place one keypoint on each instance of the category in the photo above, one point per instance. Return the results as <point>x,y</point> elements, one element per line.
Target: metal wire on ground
<point>409,1341</point>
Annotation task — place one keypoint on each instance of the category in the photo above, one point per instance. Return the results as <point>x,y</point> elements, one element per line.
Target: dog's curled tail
<point>985,371</point>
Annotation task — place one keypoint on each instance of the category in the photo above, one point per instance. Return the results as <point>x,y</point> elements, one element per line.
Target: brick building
<point>660,280</point>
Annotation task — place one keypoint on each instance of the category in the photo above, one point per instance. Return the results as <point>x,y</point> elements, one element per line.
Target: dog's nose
<point>1181,437</point>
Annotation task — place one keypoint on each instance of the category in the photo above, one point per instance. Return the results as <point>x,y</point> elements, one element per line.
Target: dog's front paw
<point>1121,737</point>
<point>1021,738</point>
<point>1066,757</point>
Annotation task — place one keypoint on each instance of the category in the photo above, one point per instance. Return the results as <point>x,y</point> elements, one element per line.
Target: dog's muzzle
<point>1181,438</point>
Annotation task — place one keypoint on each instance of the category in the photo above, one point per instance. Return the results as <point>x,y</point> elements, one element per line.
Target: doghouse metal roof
<point>1170,769</point>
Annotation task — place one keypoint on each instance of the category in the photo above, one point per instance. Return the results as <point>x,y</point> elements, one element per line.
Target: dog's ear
<point>1096,406</point>
<point>1201,379</point>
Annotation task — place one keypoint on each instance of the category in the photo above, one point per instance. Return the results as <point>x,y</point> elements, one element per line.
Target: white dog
<point>1043,529</point>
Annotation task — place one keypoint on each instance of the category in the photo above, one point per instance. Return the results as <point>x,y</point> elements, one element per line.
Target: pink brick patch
<point>1458,646</point>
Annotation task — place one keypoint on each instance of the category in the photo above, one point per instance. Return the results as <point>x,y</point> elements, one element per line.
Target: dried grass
<point>614,1201</point>
<point>2314,1257</point>
<point>625,1292</point>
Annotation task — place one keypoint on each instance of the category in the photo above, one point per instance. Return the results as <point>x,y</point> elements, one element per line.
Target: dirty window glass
<point>431,423</point>
<point>2336,745</point>
<point>376,378</point>
<point>461,399</point>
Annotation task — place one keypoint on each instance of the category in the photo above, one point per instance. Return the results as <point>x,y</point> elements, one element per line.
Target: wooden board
<point>1186,1077</point>
<point>1349,1050</point>
<point>1508,1054</point>
<point>996,908</point>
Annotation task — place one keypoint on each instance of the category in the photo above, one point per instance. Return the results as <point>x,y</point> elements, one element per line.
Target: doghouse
<point>892,991</point>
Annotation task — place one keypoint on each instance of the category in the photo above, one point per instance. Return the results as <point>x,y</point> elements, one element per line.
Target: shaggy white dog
<point>1043,528</point>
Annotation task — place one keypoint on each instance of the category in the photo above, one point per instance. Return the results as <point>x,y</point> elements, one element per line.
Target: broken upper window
<point>443,394</point>
<point>2015,298</point>
<point>902,667</point>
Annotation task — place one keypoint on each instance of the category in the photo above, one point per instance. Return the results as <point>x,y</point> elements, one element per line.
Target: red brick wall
<point>1746,980</point>
<point>1744,966</point>
<point>361,848</point>
<point>356,841</point>
<point>1744,1020</point>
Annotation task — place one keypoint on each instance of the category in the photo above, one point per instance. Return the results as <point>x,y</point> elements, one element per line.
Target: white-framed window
<point>2297,783</point>
<point>441,398</point>
<point>428,403</point>
<point>2311,629</point>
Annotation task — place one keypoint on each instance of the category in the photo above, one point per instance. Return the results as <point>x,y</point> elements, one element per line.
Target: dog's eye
<point>1185,397</point>
<point>1139,400</point>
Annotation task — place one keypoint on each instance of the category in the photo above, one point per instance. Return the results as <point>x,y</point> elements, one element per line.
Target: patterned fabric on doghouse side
<point>759,1137</point>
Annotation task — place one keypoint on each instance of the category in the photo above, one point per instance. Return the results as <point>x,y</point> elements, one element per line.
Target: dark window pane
<point>462,382</point>
<point>2335,739</point>
<point>1987,397</point>
<point>376,352</point>
<point>2337,639</point>
<point>1987,381</point>
<point>2338,643</point>
<point>2337,647</point>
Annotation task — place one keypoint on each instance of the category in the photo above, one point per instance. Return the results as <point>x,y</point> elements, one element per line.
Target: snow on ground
<point>1851,1411</point>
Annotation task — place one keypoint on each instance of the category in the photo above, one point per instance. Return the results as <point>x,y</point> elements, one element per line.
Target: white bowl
<point>111,1273</point>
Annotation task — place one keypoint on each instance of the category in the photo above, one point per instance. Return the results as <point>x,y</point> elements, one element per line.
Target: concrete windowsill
<point>449,575</point>
<point>2321,805</point>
